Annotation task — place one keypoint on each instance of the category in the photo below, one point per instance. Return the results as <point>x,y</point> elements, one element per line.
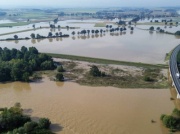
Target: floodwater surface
<point>75,109</point>
<point>137,46</point>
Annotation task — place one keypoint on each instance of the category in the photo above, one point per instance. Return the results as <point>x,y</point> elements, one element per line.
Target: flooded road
<point>75,109</point>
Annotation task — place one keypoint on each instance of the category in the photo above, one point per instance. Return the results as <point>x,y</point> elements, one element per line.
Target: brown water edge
<point>75,109</point>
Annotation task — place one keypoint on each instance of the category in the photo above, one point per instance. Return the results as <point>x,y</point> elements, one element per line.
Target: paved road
<point>174,69</point>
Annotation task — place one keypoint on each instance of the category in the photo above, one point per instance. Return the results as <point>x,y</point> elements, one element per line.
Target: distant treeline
<point>2,13</point>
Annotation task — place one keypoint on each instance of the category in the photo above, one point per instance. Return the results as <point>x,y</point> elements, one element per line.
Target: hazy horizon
<point>89,3</point>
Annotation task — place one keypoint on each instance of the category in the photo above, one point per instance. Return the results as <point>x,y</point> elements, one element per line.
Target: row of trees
<point>158,29</point>
<point>101,31</point>
<point>12,121</point>
<point>19,65</point>
<point>50,35</point>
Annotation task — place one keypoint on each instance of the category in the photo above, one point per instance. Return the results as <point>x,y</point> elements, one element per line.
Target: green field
<point>155,23</point>
<point>15,24</point>
<point>100,25</point>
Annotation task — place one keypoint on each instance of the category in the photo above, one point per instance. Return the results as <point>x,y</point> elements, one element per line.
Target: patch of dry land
<point>120,76</point>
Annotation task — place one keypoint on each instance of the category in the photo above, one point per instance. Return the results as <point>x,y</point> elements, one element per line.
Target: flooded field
<point>137,46</point>
<point>75,109</point>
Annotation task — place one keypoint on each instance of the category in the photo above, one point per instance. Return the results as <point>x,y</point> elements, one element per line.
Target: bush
<point>169,121</point>
<point>30,126</point>
<point>103,74</point>
<point>59,77</point>
<point>176,112</point>
<point>12,121</point>
<point>94,71</point>
<point>177,33</point>
<point>151,28</point>
<point>60,69</point>
<point>44,123</point>
<point>148,79</point>
<point>12,118</point>
<point>162,116</point>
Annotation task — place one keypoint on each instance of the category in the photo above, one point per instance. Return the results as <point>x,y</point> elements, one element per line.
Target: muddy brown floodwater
<point>75,109</point>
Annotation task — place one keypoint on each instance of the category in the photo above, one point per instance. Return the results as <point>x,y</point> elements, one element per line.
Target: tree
<point>24,49</point>
<point>101,31</point>
<point>151,28</point>
<point>12,118</point>
<point>121,29</point>
<point>124,29</point>
<point>18,65</point>
<point>32,36</point>
<point>169,121</point>
<point>50,34</point>
<point>52,26</point>
<point>96,31</point>
<point>158,28</point>
<point>177,33</point>
<point>38,36</point>
<point>44,123</point>
<point>25,77</point>
<point>59,77</point>
<point>33,50</point>
<point>92,31</point>
<point>88,31</point>
<point>83,32</point>
<point>15,37</point>
<point>33,26</point>
<point>30,126</point>
<point>55,20</point>
<point>73,33</point>
<point>67,27</point>
<point>60,33</point>
<point>57,34</point>
<point>47,65</point>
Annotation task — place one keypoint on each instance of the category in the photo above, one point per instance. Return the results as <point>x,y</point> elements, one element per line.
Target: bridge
<point>174,72</point>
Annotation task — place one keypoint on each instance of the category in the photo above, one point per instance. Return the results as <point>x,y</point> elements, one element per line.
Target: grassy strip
<point>100,25</point>
<point>33,30</point>
<point>154,23</point>
<point>19,31</point>
<point>14,24</point>
<point>122,82</point>
<point>106,61</point>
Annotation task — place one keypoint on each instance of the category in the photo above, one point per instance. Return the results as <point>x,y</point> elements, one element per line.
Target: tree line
<point>84,32</point>
<point>19,65</point>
